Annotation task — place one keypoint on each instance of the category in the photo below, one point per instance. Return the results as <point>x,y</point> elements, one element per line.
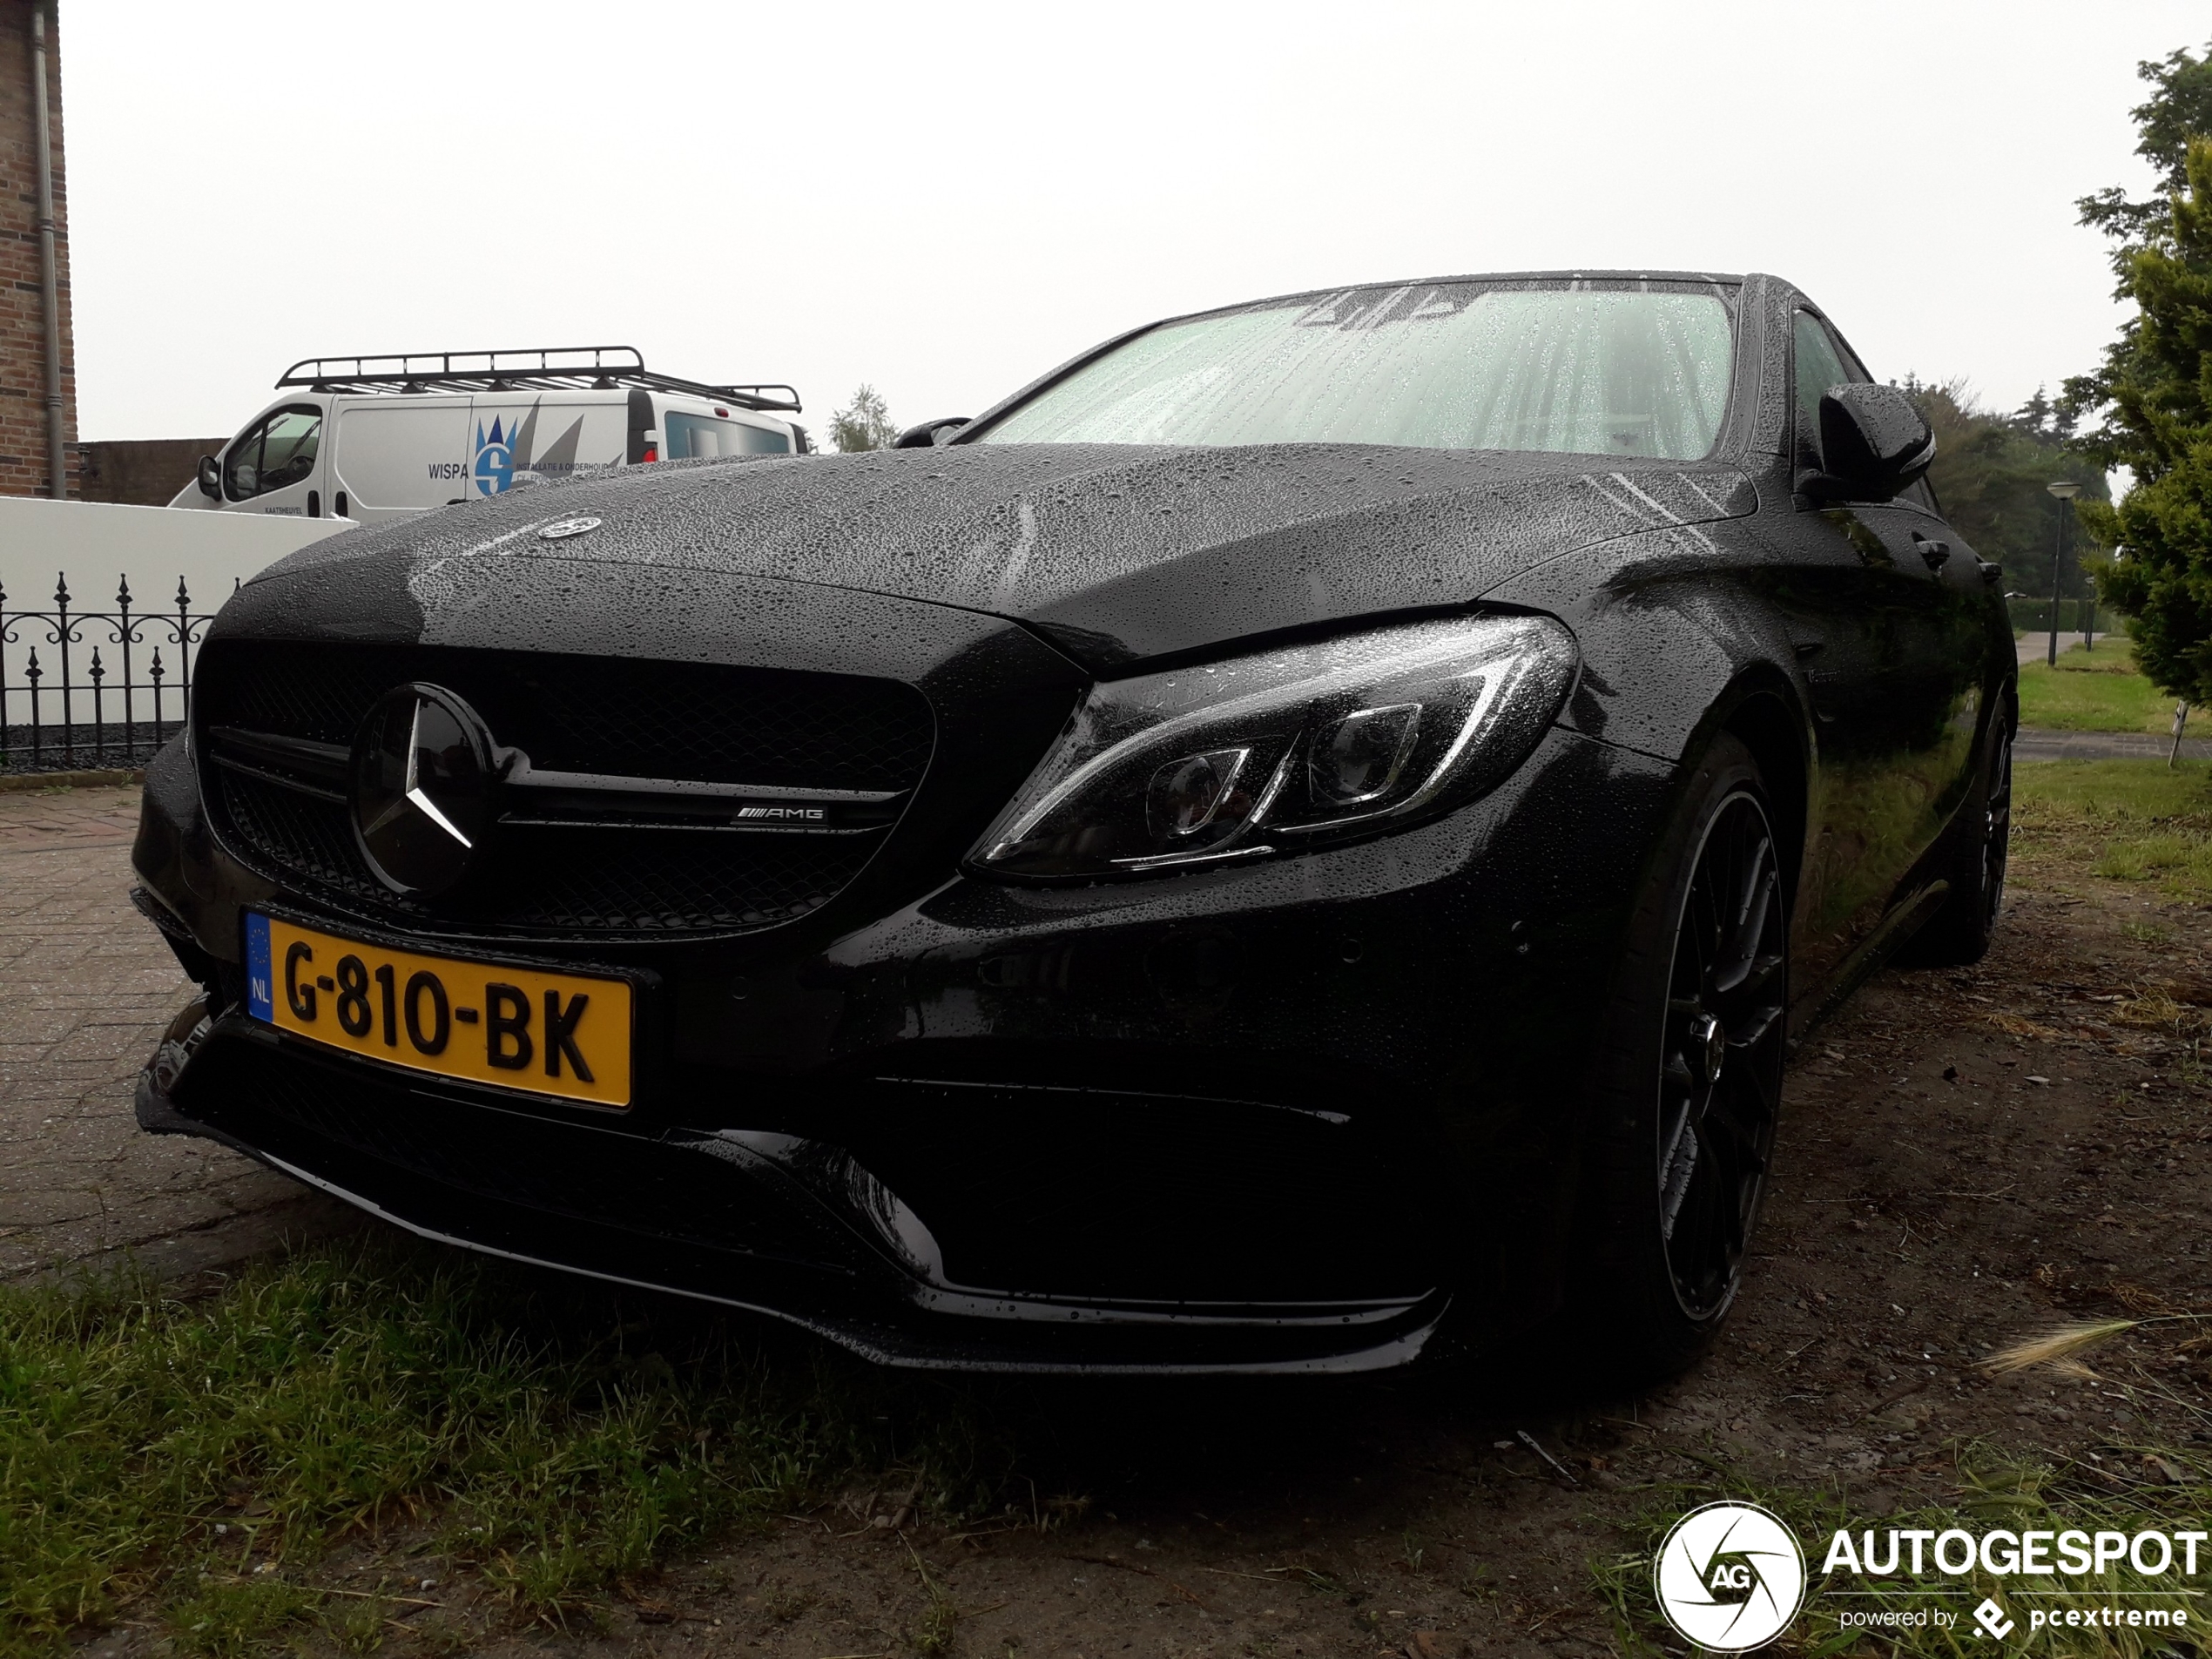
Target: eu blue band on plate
<point>258,977</point>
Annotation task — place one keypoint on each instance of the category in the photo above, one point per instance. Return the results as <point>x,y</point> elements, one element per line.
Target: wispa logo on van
<point>495,463</point>
<point>1728,1578</point>
<point>504,449</point>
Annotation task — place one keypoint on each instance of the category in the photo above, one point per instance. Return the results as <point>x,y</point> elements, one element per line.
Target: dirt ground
<point>1967,1156</point>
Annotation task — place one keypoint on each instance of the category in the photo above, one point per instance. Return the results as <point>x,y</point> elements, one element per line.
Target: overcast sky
<point>946,199</point>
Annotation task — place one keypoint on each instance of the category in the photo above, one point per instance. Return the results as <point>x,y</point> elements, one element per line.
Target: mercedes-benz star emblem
<point>561,529</point>
<point>422,789</point>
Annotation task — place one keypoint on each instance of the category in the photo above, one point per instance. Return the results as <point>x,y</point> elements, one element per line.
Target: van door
<point>394,457</point>
<point>531,437</point>
<point>274,465</point>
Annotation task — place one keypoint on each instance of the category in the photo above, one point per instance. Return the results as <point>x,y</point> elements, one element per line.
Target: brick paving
<point>86,987</point>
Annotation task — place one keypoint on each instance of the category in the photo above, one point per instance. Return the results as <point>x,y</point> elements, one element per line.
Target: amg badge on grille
<point>422,785</point>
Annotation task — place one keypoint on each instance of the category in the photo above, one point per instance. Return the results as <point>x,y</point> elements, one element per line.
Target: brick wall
<point>22,362</point>
<point>140,472</point>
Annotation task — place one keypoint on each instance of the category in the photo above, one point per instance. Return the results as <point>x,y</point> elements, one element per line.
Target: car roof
<point>1714,278</point>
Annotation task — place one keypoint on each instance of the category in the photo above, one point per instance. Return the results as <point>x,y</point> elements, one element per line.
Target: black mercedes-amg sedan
<point>1297,841</point>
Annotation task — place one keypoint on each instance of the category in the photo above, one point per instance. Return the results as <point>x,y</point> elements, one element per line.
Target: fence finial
<point>57,730</point>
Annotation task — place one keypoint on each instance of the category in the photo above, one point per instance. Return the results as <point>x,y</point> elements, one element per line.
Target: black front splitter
<point>764,1250</point>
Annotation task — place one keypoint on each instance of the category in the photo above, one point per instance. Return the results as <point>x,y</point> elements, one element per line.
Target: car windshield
<point>1438,366</point>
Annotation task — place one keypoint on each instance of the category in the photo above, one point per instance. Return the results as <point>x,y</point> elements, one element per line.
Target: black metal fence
<point>92,690</point>
<point>2034,614</point>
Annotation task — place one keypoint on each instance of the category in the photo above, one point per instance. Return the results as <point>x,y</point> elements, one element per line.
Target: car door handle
<point>1934,552</point>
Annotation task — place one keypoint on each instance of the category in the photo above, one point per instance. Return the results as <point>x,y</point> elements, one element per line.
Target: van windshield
<point>685,436</point>
<point>280,451</point>
<point>1628,371</point>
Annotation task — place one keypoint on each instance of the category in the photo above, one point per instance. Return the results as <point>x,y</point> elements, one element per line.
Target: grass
<point>2128,820</point>
<point>2122,1487</point>
<point>2093,691</point>
<point>2129,1491</point>
<point>2131,821</point>
<point>194,1460</point>
<point>203,1465</point>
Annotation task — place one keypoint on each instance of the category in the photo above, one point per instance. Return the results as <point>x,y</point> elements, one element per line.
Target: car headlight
<point>1284,749</point>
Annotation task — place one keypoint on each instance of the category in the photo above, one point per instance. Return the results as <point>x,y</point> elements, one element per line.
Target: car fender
<point>1675,650</point>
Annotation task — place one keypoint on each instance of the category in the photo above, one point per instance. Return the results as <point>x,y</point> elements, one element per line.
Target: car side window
<point>1818,365</point>
<point>1920,494</point>
<point>279,451</point>
<point>1822,361</point>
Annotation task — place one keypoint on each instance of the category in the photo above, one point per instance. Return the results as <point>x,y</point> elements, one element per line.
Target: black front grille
<point>610,716</point>
<point>605,714</point>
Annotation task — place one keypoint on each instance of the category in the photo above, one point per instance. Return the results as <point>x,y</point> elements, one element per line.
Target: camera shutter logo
<point>1729,1577</point>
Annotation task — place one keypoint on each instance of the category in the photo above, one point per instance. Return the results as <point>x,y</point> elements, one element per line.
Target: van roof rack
<point>549,368</point>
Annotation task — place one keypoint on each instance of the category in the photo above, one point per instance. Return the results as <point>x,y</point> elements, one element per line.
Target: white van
<point>372,438</point>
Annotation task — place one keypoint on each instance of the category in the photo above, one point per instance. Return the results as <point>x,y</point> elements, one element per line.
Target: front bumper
<point>1283,1117</point>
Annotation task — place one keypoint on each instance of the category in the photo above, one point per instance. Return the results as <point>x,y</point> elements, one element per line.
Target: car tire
<point>1688,1088</point>
<point>1960,933</point>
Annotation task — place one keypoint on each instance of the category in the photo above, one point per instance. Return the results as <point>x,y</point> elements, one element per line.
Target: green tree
<point>2181,108</point>
<point>1990,472</point>
<point>2158,423</point>
<point>2154,389</point>
<point>865,423</point>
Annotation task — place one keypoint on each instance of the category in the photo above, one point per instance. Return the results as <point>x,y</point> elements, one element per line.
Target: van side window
<point>277,452</point>
<point>685,436</point>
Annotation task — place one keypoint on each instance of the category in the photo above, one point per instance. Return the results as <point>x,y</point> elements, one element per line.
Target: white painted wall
<point>95,543</point>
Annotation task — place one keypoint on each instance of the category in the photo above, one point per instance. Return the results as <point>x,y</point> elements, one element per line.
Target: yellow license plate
<point>566,1034</point>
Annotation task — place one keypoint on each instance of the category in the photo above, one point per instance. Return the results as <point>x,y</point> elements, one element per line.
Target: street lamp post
<point>2065,492</point>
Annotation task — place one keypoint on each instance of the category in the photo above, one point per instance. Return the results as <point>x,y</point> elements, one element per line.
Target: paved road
<point>2035,648</point>
<point>2036,743</point>
<point>85,988</point>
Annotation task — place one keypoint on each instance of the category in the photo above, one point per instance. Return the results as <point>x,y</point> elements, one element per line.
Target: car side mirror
<point>930,434</point>
<point>1873,442</point>
<point>211,478</point>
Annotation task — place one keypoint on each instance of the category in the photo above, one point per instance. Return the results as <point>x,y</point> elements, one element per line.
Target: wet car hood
<point>1116,552</point>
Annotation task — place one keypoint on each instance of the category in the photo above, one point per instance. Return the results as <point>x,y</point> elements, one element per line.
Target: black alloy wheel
<point>1997,827</point>
<point>1960,933</point>
<point>1720,1074</point>
<point>1685,1088</point>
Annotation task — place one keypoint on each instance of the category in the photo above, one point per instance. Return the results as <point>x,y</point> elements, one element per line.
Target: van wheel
<point>1690,1088</point>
